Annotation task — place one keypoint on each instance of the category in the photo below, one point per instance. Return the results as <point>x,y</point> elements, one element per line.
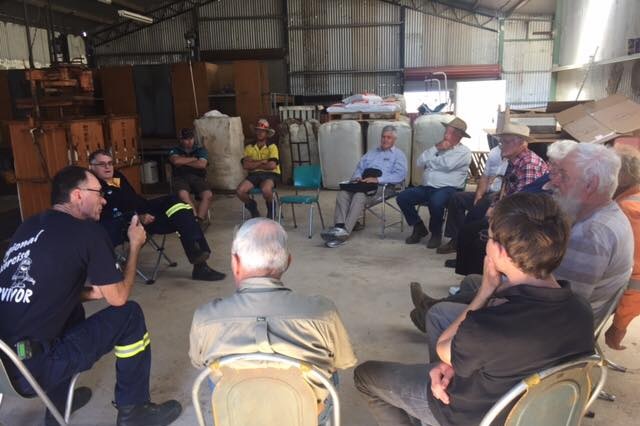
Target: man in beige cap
<point>445,172</point>
<point>262,161</point>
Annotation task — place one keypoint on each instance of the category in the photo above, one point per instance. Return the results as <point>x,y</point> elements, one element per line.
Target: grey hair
<point>261,244</point>
<point>389,129</point>
<point>559,149</point>
<point>598,161</point>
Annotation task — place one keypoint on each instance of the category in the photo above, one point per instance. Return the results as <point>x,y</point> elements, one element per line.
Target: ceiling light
<point>104,1</point>
<point>135,16</point>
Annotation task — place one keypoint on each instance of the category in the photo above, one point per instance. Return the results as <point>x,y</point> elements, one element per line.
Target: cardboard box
<point>601,121</point>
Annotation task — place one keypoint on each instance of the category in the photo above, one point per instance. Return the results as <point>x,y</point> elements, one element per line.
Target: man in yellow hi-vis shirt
<point>262,161</point>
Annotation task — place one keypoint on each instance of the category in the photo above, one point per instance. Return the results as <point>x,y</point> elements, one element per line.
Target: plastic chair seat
<point>298,199</point>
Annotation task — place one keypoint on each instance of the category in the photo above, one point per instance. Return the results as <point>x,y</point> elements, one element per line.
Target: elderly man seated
<point>162,215</point>
<point>445,171</point>
<point>303,327</point>
<point>522,320</point>
<point>387,165</point>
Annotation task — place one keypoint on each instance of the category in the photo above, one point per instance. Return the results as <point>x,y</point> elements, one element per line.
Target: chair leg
<point>616,367</point>
<point>310,220</point>
<point>293,213</point>
<point>72,387</point>
<point>320,214</point>
<point>606,396</point>
<point>384,217</point>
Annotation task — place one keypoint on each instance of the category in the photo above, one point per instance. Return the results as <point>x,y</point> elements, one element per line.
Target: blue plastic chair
<point>306,177</point>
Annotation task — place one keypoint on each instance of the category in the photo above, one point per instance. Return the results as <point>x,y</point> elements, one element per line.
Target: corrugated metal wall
<point>589,24</point>
<point>527,60</point>
<point>13,46</point>
<point>344,47</point>
<point>432,41</point>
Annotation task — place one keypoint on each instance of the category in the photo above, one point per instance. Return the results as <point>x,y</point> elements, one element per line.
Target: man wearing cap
<point>189,163</point>
<point>262,161</point>
<point>445,172</point>
<point>391,164</point>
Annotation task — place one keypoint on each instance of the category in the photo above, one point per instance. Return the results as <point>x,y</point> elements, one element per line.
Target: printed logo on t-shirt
<point>18,291</point>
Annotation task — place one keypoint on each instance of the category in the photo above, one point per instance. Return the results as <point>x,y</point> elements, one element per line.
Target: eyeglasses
<point>484,236</point>
<point>99,191</point>
<point>103,164</point>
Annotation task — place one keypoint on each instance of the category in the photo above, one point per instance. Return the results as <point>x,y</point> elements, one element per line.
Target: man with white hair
<point>265,316</point>
<point>385,164</point>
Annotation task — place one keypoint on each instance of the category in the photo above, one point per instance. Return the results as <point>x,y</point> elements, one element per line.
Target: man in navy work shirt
<point>162,215</point>
<point>42,287</point>
<point>189,163</point>
<point>521,321</point>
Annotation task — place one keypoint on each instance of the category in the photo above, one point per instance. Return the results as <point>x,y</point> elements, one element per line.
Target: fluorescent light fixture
<point>104,1</point>
<point>135,16</point>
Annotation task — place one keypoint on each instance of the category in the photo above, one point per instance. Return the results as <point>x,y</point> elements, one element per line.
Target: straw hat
<point>264,125</point>
<point>458,124</point>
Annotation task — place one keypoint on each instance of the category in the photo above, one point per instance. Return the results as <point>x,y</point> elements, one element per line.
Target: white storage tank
<point>223,138</point>
<point>340,146</point>
<point>427,131</point>
<point>403,142</point>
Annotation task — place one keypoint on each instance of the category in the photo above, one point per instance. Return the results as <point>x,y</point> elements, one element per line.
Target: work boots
<point>419,232</point>
<point>252,206</point>
<point>149,414</point>
<point>202,272</point>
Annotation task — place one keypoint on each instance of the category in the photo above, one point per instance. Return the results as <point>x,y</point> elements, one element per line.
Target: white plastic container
<point>340,146</point>
<point>427,131</point>
<point>403,142</point>
<point>150,172</point>
<point>224,140</point>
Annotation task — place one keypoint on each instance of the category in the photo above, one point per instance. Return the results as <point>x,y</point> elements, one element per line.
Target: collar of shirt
<point>537,293</point>
<point>392,149</point>
<point>261,284</point>
<point>523,156</point>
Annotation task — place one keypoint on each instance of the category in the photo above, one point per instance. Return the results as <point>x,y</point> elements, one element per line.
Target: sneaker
<point>334,233</point>
<point>149,414</point>
<point>202,272</point>
<point>434,242</point>
<point>419,232</point>
<point>449,247</point>
<point>454,289</point>
<point>81,397</point>
<point>334,243</point>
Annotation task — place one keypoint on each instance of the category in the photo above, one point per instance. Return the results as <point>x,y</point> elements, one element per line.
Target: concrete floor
<point>368,280</point>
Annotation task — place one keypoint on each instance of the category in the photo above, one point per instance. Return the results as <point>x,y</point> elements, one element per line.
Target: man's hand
<point>489,213</point>
<point>91,293</point>
<point>370,180</point>
<point>146,218</point>
<point>490,276</point>
<point>441,376</point>
<point>136,233</point>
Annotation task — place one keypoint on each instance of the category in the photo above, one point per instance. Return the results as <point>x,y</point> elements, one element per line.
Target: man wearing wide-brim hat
<point>445,172</point>
<point>262,162</point>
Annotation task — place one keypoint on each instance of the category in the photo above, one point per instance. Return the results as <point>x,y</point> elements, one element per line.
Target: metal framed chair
<point>305,178</point>
<point>6,387</point>
<point>258,191</point>
<point>270,387</point>
<point>121,258</point>
<point>560,395</point>
<point>378,205</point>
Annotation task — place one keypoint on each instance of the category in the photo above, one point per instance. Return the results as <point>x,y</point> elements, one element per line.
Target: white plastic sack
<point>340,146</point>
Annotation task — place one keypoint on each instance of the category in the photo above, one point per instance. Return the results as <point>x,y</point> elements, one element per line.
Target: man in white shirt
<point>445,172</point>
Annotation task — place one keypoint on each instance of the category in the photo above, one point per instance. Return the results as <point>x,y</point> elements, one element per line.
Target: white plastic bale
<point>340,146</point>
<point>298,132</point>
<point>427,131</point>
<point>403,142</point>
<point>223,138</point>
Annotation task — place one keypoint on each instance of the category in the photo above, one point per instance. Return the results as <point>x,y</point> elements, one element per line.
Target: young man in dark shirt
<point>521,321</point>
<point>42,287</point>
<point>162,215</point>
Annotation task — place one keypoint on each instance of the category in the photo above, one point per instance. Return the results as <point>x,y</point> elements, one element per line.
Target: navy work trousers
<point>435,198</point>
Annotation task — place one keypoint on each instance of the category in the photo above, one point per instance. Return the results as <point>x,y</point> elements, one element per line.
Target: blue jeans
<point>396,393</point>
<point>435,198</point>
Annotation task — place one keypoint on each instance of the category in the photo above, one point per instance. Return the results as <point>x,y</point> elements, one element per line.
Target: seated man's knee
<point>471,283</point>
<point>206,195</point>
<point>362,375</point>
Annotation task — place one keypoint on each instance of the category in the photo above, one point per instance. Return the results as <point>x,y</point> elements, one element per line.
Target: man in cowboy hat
<point>445,172</point>
<point>262,161</point>
<point>189,163</point>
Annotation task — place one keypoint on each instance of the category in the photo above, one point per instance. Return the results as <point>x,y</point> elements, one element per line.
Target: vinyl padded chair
<point>273,393</point>
<point>305,178</point>
<point>557,396</point>
<point>6,387</point>
<point>379,204</point>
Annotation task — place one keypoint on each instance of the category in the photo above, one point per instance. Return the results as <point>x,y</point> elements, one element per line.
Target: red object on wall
<point>455,72</point>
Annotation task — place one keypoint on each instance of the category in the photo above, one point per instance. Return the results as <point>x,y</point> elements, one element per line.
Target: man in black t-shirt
<point>162,215</point>
<point>520,322</point>
<point>42,287</point>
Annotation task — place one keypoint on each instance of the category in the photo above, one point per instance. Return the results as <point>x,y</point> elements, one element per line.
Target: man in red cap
<point>262,161</point>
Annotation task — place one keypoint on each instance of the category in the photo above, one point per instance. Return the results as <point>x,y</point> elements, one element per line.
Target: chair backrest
<point>556,396</point>
<point>308,176</point>
<point>275,391</point>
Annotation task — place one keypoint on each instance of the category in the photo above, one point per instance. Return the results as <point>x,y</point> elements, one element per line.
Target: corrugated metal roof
<point>433,41</point>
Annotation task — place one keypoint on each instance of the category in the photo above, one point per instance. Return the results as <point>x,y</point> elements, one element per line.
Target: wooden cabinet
<point>251,83</point>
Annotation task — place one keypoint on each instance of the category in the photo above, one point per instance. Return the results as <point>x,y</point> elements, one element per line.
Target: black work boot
<point>269,210</point>
<point>149,414</point>
<point>434,242</point>
<point>419,231</point>
<point>81,396</point>
<point>202,272</point>
<point>252,206</point>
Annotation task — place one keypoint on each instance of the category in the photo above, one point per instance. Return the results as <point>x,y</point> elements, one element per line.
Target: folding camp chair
<point>305,177</point>
<point>268,387</point>
<point>121,258</point>
<point>379,204</point>
<point>557,396</point>
<point>6,387</point>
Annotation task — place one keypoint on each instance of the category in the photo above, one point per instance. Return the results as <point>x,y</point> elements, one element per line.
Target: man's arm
<point>178,160</point>
<point>117,294</point>
<point>398,172</point>
<point>483,185</point>
<point>449,160</point>
<point>249,164</point>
